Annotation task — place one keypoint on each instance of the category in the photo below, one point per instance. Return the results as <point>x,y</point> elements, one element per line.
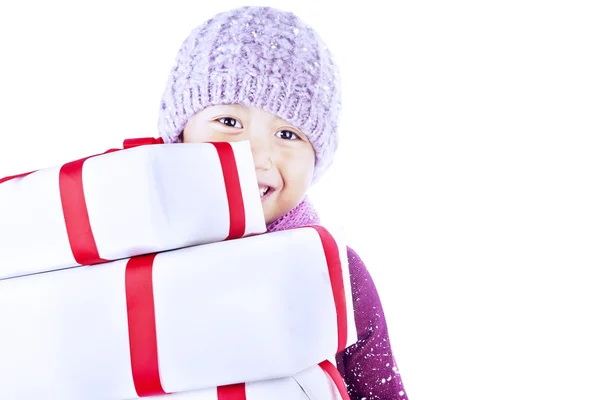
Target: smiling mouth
<point>265,191</point>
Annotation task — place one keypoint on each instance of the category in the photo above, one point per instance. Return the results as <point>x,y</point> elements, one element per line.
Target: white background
<point>468,177</point>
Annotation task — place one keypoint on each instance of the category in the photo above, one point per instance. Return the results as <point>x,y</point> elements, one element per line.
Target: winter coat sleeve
<point>369,367</point>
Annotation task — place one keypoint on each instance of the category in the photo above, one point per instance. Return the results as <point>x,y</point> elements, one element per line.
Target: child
<point>259,74</point>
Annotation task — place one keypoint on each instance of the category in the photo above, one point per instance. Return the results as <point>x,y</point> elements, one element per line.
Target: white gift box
<point>245,310</point>
<point>315,383</point>
<point>126,203</point>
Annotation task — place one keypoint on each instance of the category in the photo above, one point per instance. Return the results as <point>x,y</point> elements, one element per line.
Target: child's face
<point>283,157</point>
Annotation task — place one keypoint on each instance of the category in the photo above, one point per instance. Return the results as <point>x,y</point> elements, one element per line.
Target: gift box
<point>322,382</point>
<point>245,310</point>
<point>120,204</point>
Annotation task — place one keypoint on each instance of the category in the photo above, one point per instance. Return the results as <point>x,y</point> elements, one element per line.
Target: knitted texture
<point>260,57</point>
<point>302,215</point>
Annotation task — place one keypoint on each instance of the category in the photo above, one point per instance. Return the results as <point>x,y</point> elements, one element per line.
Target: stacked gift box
<point>148,271</point>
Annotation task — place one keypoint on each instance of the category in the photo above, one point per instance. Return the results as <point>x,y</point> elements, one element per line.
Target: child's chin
<point>271,211</point>
<point>268,212</point>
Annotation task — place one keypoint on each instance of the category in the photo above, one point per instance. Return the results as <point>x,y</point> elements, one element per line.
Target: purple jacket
<point>368,367</point>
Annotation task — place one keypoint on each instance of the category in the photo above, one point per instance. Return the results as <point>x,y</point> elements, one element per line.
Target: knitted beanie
<point>261,57</point>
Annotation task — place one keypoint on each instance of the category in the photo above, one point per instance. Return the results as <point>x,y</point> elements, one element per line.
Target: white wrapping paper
<point>244,310</point>
<point>140,200</point>
<point>310,384</point>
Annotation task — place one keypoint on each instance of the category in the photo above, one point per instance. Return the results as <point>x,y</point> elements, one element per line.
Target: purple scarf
<point>304,214</point>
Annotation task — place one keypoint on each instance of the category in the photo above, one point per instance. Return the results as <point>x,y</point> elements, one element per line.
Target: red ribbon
<point>141,321</point>
<point>334,265</point>
<point>8,178</point>
<point>135,142</point>
<point>232,392</point>
<point>75,213</point>
<point>237,213</point>
<point>337,379</point>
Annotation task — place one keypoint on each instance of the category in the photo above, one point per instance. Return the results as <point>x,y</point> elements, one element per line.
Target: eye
<point>230,122</point>
<point>287,135</point>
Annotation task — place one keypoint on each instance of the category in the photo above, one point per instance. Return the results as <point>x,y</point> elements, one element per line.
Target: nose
<point>261,152</point>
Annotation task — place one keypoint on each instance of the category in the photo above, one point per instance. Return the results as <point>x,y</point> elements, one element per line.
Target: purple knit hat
<point>261,57</point>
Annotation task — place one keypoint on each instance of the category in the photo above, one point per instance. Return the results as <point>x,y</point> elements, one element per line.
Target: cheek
<point>298,175</point>
<point>196,131</point>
